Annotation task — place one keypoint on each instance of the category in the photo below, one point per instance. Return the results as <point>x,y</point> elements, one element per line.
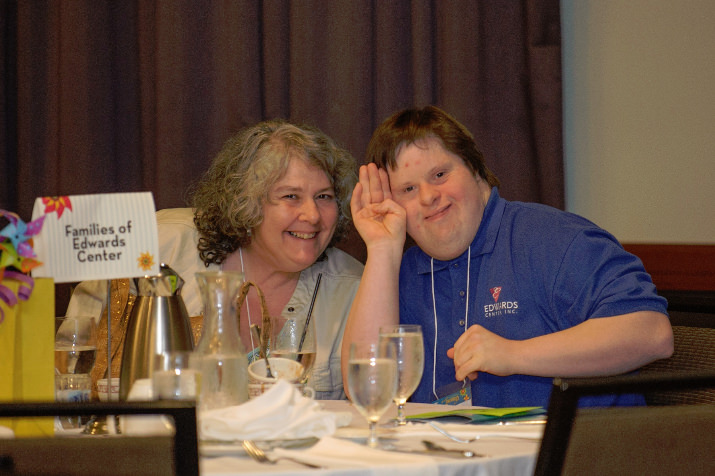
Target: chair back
<point>648,440</point>
<point>692,315</point>
<point>113,456</point>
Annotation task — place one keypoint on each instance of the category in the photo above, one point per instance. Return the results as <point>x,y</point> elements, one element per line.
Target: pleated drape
<point>119,96</point>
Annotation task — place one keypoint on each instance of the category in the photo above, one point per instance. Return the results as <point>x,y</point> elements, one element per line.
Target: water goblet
<point>372,381</point>
<point>410,355</point>
<point>75,344</point>
<point>75,353</point>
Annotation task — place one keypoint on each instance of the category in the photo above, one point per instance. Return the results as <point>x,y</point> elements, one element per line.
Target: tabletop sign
<point>103,236</point>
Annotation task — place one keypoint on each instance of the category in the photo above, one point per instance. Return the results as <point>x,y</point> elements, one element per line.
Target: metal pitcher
<point>158,323</point>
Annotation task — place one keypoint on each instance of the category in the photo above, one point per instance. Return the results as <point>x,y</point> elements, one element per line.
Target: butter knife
<point>435,448</point>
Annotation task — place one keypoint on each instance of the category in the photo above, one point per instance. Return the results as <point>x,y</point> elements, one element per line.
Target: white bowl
<point>281,368</point>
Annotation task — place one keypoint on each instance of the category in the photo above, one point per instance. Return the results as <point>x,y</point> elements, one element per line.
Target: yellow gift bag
<point>27,346</point>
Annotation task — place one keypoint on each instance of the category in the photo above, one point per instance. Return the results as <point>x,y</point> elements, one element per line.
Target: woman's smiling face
<point>299,218</point>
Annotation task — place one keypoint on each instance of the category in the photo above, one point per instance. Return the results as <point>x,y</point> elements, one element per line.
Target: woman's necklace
<point>248,306</point>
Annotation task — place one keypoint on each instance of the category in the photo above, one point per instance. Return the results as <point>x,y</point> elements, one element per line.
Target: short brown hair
<point>408,126</point>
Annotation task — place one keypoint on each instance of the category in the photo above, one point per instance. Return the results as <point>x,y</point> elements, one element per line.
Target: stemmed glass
<point>75,345</point>
<point>372,381</point>
<point>410,355</point>
<point>75,353</point>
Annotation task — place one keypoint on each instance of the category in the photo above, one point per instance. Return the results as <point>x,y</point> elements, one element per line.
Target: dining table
<point>500,447</point>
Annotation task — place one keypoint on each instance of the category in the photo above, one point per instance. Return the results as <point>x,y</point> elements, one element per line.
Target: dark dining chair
<point>647,440</point>
<point>692,315</point>
<point>175,455</point>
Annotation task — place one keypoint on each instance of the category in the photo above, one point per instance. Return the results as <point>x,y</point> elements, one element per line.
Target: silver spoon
<point>449,435</point>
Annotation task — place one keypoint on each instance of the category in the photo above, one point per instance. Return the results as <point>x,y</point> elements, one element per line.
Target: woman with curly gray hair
<point>230,199</point>
<point>272,205</point>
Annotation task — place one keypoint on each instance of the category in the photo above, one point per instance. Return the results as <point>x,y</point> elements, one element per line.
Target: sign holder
<point>101,236</point>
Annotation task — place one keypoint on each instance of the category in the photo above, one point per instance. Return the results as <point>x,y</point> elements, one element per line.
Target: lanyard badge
<point>455,393</point>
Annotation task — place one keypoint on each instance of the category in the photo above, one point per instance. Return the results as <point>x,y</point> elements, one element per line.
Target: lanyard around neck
<point>248,307</point>
<point>434,311</point>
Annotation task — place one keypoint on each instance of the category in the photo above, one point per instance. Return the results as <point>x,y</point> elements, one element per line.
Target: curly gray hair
<point>229,198</point>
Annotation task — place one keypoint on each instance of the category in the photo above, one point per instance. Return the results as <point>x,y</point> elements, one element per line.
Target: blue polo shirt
<point>534,270</point>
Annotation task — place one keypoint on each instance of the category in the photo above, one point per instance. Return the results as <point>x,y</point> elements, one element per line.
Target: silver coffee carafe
<point>158,323</point>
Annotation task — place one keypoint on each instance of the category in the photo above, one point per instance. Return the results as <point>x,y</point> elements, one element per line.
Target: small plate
<point>221,449</point>
<point>235,448</point>
<point>353,433</point>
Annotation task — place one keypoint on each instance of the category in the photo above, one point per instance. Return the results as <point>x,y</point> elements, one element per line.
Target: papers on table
<point>481,415</point>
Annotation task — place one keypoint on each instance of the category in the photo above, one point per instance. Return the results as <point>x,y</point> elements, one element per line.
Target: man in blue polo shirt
<point>508,294</point>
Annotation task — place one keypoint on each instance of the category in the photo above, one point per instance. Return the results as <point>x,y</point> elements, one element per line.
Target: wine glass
<point>75,345</point>
<point>372,381</point>
<point>75,353</point>
<point>410,355</point>
<point>293,339</point>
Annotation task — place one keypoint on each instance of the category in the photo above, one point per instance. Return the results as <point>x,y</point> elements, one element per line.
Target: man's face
<point>444,200</point>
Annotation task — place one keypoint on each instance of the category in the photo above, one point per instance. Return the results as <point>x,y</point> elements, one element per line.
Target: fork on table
<point>257,454</point>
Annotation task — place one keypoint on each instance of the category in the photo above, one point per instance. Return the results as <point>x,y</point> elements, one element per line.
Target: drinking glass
<point>372,381</point>
<point>293,339</point>
<point>75,353</point>
<point>410,355</point>
<point>173,377</point>
<point>75,345</point>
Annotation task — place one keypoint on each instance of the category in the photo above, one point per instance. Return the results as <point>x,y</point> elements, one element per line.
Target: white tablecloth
<point>345,454</point>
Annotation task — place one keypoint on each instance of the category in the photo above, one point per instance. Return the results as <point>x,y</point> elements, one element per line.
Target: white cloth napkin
<point>141,390</point>
<point>280,413</point>
<point>336,453</point>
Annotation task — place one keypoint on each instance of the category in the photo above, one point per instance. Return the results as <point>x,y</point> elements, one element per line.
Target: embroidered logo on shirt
<point>499,308</point>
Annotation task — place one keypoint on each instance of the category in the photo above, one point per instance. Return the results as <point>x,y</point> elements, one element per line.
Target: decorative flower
<point>9,257</point>
<point>17,257</point>
<point>146,261</point>
<point>20,233</point>
<point>57,204</point>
